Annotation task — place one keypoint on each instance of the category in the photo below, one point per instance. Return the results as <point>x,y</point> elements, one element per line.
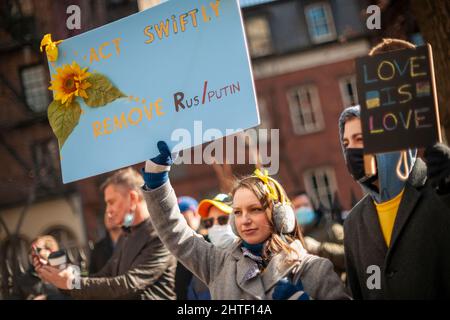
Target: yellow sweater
<point>387,211</point>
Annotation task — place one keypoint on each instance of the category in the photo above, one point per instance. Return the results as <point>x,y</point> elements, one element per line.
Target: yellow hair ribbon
<point>264,177</point>
<point>51,48</point>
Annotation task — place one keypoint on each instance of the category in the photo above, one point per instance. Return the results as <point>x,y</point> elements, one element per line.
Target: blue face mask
<point>128,219</point>
<point>305,216</point>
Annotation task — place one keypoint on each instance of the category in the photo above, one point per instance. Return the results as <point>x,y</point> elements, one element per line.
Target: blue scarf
<point>254,253</point>
<point>255,249</point>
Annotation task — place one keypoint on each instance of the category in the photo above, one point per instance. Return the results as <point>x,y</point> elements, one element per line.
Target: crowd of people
<point>256,243</point>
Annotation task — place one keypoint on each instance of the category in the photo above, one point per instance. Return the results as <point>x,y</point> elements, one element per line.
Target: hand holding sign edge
<point>156,171</point>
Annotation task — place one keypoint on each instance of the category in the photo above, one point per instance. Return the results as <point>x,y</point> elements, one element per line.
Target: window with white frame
<point>45,157</point>
<point>320,22</point>
<point>35,85</point>
<point>321,184</point>
<point>348,91</point>
<point>259,37</point>
<point>306,113</point>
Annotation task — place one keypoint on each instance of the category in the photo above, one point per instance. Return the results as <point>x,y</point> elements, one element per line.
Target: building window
<point>320,183</point>
<point>46,162</point>
<point>348,91</point>
<point>320,22</point>
<point>35,86</point>
<point>305,109</point>
<point>258,36</point>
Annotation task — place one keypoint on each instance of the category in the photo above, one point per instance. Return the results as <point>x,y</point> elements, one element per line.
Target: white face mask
<point>221,236</point>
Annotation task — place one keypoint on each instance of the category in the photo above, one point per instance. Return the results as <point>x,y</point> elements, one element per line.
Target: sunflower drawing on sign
<point>69,84</point>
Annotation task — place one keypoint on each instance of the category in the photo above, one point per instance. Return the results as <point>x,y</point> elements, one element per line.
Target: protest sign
<point>120,88</point>
<point>397,94</point>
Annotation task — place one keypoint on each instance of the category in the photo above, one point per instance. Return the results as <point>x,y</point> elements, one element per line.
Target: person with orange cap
<point>215,214</point>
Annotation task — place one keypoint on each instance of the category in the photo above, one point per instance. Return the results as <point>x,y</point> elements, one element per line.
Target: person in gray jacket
<point>267,262</point>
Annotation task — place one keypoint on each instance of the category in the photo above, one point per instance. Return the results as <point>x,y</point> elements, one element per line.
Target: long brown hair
<point>275,243</point>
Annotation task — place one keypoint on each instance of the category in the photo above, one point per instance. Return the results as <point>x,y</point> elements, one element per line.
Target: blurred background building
<point>302,53</point>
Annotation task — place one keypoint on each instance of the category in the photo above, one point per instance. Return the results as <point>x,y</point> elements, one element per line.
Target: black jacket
<point>141,268</point>
<point>417,263</point>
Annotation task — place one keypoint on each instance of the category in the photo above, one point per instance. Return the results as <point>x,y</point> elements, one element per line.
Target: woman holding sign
<point>269,260</point>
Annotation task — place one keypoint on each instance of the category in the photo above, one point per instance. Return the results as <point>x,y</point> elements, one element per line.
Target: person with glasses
<point>268,260</point>
<point>215,214</point>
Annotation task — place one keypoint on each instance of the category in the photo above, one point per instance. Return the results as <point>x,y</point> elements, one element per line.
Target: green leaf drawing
<point>63,119</point>
<point>101,91</point>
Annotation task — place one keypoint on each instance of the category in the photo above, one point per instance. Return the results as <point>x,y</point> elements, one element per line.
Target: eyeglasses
<point>209,222</point>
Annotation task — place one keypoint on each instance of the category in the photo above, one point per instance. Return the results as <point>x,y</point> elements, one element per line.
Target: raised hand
<point>156,171</point>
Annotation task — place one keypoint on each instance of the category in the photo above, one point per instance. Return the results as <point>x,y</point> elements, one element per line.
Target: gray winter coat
<point>226,272</point>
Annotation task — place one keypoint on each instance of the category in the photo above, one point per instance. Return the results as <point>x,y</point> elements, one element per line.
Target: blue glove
<point>285,289</point>
<point>156,171</point>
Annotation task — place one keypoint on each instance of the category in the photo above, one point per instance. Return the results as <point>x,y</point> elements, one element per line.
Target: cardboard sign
<point>397,94</point>
<point>150,74</point>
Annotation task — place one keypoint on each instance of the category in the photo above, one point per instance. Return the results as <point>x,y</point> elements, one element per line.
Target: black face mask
<point>354,158</point>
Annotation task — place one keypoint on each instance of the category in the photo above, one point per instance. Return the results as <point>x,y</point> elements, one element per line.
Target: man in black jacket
<point>397,238</point>
<point>141,266</point>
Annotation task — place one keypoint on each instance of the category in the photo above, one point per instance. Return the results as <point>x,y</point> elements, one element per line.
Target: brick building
<point>303,62</point>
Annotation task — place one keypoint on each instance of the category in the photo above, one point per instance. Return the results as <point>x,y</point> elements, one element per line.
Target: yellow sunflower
<point>70,81</point>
